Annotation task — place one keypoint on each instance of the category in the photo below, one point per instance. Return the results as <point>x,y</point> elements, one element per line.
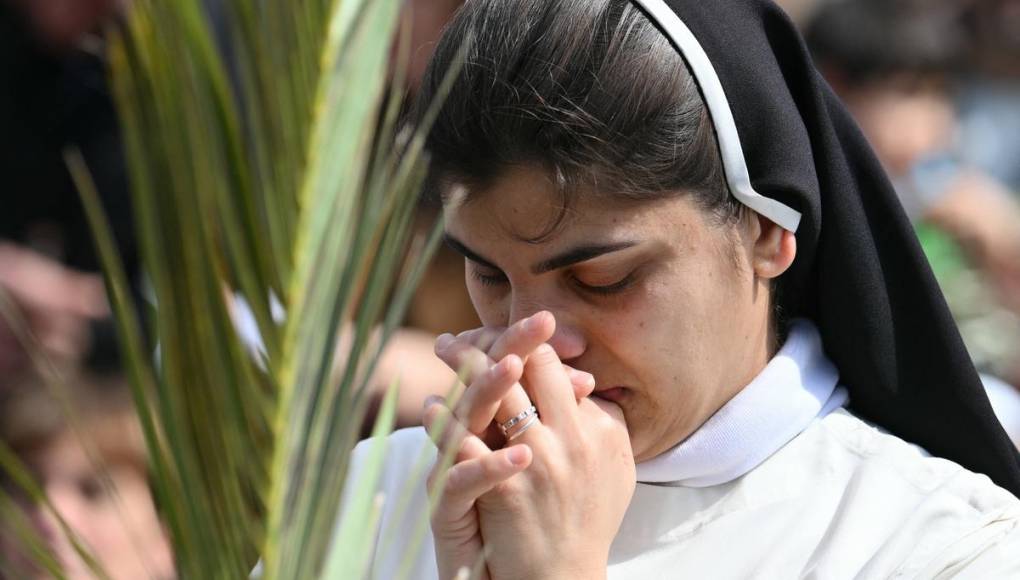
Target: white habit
<point>780,483</point>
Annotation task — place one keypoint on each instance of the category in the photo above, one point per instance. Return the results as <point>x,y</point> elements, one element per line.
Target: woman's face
<point>665,307</point>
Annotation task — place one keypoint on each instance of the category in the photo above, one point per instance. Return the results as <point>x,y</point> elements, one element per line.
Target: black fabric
<point>859,272</point>
<point>50,100</point>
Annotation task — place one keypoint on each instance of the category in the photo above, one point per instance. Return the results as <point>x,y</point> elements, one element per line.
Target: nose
<point>568,340</point>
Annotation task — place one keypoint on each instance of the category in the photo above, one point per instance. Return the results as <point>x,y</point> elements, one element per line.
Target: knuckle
<point>488,337</point>
<point>606,422</point>
<point>490,470</point>
<point>562,478</point>
<point>545,356</point>
<point>511,495</point>
<point>455,434</point>
<point>433,478</point>
<point>463,360</point>
<point>454,481</point>
<point>430,415</point>
<point>475,358</point>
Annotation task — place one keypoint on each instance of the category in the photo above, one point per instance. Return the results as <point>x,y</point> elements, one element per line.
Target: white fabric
<point>1005,402</point>
<point>718,105</point>
<point>841,499</point>
<point>797,386</point>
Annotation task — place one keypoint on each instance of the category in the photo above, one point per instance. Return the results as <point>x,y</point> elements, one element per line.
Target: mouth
<point>614,394</point>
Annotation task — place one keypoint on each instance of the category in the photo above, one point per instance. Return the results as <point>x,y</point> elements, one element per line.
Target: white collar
<point>798,386</point>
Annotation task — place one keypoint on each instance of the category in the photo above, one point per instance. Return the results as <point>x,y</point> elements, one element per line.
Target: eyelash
<point>488,279</point>
<point>607,290</point>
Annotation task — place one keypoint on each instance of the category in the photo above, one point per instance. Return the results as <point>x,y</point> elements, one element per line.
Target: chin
<point>640,450</point>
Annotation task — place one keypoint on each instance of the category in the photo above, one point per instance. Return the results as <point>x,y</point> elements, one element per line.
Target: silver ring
<point>531,421</point>
<point>509,423</point>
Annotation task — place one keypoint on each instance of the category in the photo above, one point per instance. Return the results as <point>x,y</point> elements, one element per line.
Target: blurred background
<point>934,85</point>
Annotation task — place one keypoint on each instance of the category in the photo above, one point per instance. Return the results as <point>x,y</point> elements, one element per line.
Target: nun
<point>712,347</point>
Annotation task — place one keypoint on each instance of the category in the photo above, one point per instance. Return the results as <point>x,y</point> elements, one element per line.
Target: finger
<point>91,299</point>
<point>467,481</point>
<point>609,424</point>
<point>471,448</point>
<point>524,336</point>
<point>482,338</point>
<point>597,405</point>
<point>442,426</point>
<point>583,383</point>
<point>448,434</point>
<point>472,364</point>
<point>42,283</point>
<point>549,387</point>
<point>464,359</point>
<point>480,403</point>
<point>521,339</point>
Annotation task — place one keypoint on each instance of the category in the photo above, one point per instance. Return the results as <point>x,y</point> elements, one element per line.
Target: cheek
<point>638,332</point>
<point>670,333</point>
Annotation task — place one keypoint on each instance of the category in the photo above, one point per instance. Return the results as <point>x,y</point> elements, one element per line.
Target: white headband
<point>733,161</point>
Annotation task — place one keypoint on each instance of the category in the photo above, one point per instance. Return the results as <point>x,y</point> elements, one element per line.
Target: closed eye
<point>614,288</point>
<point>486,279</point>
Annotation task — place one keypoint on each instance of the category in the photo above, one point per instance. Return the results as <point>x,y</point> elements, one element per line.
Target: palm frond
<point>265,168</point>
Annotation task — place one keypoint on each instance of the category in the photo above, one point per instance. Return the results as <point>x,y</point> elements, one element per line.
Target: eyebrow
<point>580,254</point>
<point>467,252</point>
<point>568,258</point>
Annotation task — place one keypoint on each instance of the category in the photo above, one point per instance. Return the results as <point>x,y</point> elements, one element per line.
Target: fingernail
<point>511,361</point>
<point>544,349</point>
<point>500,369</point>
<point>431,400</point>
<point>518,455</point>
<point>532,323</point>
<point>443,340</point>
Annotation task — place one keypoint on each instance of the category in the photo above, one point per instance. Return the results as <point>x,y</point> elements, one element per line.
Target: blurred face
<point>122,529</point>
<point>62,23</point>
<point>668,309</point>
<point>904,124</point>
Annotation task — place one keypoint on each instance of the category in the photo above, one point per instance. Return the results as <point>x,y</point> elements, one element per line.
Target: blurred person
<point>893,63</point>
<point>800,11</point>
<point>441,303</point>
<point>54,95</point>
<point>115,518</point>
<point>988,98</point>
<point>427,19</point>
<point>988,92</point>
<point>57,304</point>
<point>63,24</point>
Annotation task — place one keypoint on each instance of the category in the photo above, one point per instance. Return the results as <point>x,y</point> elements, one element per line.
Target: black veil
<point>859,274</point>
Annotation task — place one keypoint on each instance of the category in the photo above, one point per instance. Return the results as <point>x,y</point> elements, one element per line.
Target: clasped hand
<point>549,503</point>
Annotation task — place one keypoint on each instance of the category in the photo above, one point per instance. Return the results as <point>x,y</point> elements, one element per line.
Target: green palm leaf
<point>263,169</point>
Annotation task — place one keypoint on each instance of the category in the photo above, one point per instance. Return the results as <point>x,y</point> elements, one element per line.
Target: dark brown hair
<point>589,90</point>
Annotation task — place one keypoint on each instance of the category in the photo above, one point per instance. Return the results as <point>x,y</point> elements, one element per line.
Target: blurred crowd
<point>935,86</point>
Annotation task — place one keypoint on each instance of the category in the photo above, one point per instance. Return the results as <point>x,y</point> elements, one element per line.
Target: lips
<point>614,394</point>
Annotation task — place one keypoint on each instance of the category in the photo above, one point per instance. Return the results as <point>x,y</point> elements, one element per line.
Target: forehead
<point>525,205</point>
